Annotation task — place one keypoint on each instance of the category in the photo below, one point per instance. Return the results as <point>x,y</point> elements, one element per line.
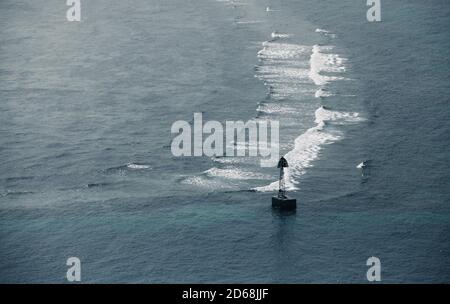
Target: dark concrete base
<point>284,203</point>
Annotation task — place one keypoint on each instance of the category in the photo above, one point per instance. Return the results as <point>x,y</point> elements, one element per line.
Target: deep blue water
<point>86,168</point>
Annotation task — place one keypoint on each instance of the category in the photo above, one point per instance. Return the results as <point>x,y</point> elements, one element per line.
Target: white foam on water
<point>323,115</point>
<point>277,35</point>
<point>318,30</point>
<point>282,76</point>
<point>228,160</point>
<point>287,70</point>
<point>250,22</point>
<point>137,166</point>
<point>309,144</point>
<point>274,108</point>
<point>284,68</point>
<point>322,93</point>
<point>233,2</point>
<point>275,185</point>
<point>323,61</point>
<point>283,80</point>
<point>235,173</point>
<point>204,182</point>
<point>269,9</point>
<point>325,33</point>
<point>283,51</point>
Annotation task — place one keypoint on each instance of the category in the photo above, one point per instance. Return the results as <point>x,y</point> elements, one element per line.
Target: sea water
<point>86,110</point>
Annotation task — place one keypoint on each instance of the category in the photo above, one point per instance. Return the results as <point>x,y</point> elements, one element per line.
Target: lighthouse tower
<point>282,201</point>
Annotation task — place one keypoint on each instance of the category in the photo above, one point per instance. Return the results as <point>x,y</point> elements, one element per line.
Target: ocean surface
<point>86,168</point>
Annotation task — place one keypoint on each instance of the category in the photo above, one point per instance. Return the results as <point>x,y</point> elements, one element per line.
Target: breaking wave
<point>297,76</point>
<point>234,173</point>
<point>323,61</point>
<point>308,145</point>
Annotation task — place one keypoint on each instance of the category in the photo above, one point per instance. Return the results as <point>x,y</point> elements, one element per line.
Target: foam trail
<point>283,75</point>
<point>234,173</point>
<point>325,33</point>
<point>292,73</point>
<point>203,182</point>
<point>249,22</point>
<point>269,9</point>
<point>279,35</point>
<point>325,62</point>
<point>309,144</point>
<point>284,68</point>
<point>137,166</point>
<point>322,93</point>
